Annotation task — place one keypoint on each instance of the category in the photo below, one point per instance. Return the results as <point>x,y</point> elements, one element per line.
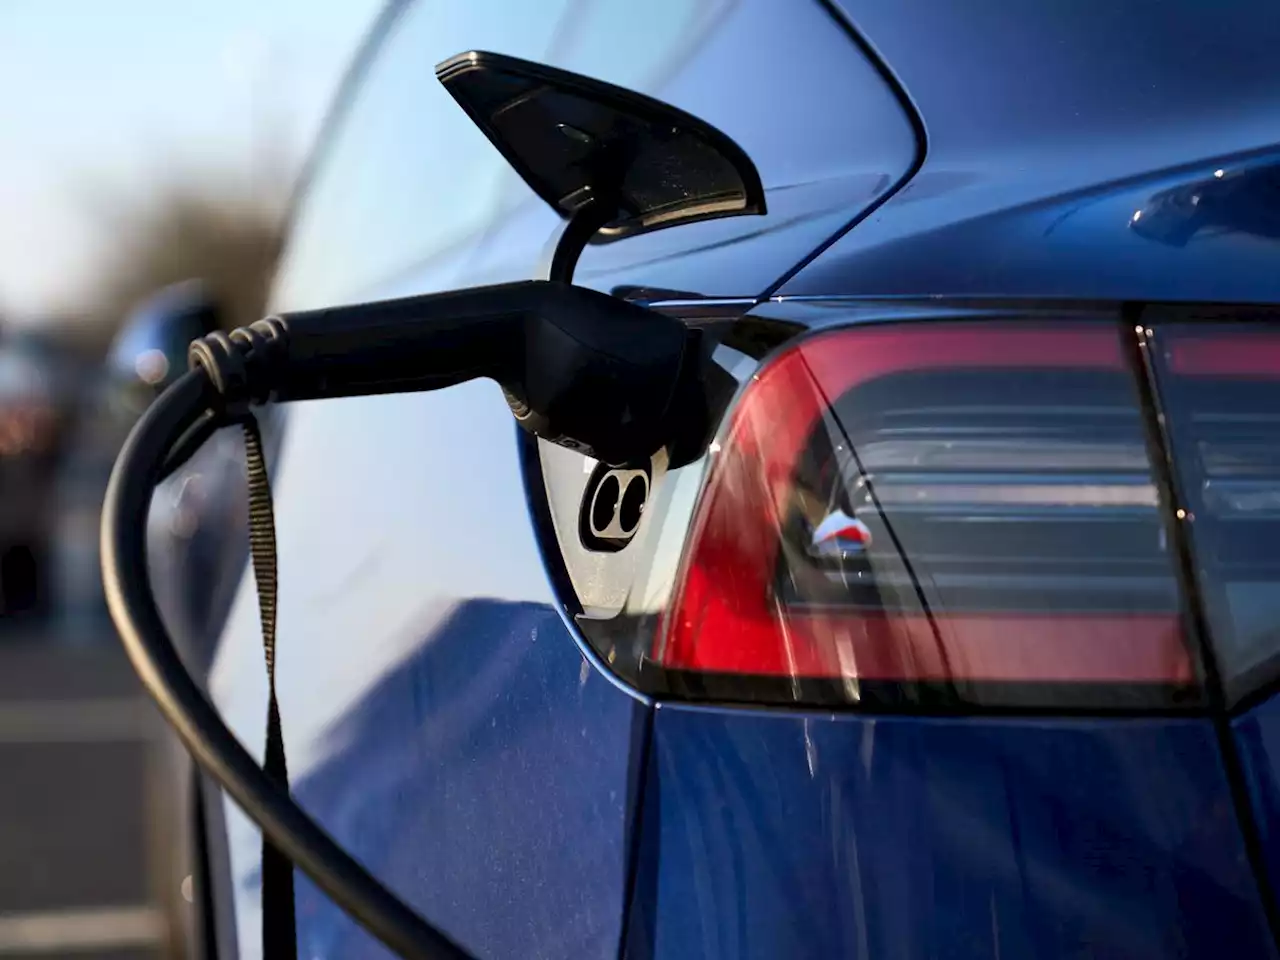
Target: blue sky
<point>102,99</point>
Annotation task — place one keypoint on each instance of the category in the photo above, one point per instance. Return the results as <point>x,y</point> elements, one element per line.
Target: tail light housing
<point>1218,383</point>
<point>951,512</point>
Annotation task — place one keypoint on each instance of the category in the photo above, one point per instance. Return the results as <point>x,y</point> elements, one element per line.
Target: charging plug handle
<point>579,368</point>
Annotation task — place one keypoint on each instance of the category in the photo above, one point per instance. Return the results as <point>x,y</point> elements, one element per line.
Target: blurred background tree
<point>222,229</point>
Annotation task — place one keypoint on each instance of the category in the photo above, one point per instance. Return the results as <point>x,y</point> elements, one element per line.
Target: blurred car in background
<point>148,353</point>
<point>37,390</point>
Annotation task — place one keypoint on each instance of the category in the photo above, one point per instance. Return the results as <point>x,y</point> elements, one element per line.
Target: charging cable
<point>579,368</point>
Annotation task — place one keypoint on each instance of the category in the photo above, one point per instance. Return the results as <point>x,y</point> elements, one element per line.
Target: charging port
<point>613,507</point>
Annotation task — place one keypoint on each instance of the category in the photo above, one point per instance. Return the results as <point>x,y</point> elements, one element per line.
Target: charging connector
<point>579,368</point>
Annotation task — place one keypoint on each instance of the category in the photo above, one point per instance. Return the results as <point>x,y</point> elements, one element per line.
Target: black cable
<point>585,223</point>
<point>188,444</point>
<point>194,718</point>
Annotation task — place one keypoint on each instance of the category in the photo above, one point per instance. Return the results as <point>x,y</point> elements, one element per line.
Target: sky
<point>103,98</point>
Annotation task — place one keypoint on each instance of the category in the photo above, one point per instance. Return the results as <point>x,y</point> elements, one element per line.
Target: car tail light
<point>955,508</point>
<point>1219,386</point>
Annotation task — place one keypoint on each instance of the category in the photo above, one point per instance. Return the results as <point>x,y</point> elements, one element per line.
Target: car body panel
<point>1258,733</point>
<point>512,781</point>
<point>443,715</point>
<point>1049,125</point>
<point>1123,241</point>
<point>772,834</point>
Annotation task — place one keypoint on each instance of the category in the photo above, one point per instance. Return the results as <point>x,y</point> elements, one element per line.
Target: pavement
<point>87,808</point>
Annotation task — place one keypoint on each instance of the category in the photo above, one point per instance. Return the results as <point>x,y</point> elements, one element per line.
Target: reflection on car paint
<point>769,835</point>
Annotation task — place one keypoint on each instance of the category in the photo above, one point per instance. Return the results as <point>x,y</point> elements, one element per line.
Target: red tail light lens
<point>960,506</point>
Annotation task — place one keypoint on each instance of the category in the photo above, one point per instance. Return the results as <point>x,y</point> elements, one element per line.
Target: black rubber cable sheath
<point>194,718</point>
<point>186,446</point>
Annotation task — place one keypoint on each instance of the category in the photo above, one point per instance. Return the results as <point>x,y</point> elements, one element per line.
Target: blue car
<point>960,639</point>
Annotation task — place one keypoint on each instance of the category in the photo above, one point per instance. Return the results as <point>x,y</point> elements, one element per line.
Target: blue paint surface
<point>1258,734</point>
<point>487,779</point>
<point>1049,126</point>
<point>1189,235</point>
<point>769,834</point>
